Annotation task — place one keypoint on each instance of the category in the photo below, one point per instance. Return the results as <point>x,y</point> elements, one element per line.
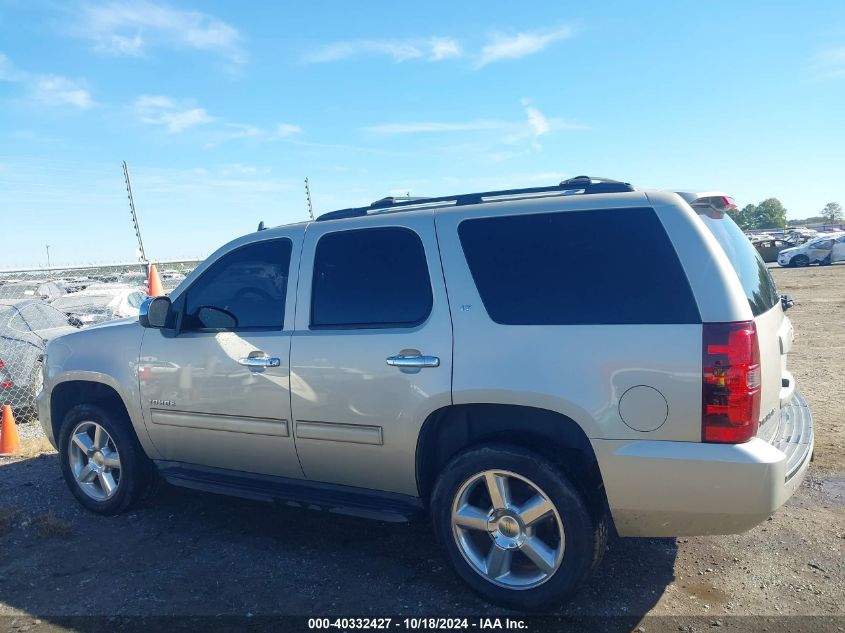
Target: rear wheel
<point>800,261</point>
<point>102,462</point>
<point>515,527</point>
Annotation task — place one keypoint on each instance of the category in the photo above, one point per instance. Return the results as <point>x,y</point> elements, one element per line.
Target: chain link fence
<point>39,304</point>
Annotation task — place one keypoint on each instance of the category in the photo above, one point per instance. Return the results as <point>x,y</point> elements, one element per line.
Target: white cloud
<point>512,138</point>
<point>52,90</point>
<point>121,45</point>
<point>520,45</point>
<point>537,120</point>
<point>536,124</point>
<point>236,131</point>
<point>431,49</point>
<point>174,116</point>
<point>444,48</point>
<point>47,90</point>
<point>8,71</point>
<point>239,131</point>
<point>435,126</point>
<point>283,130</point>
<point>129,28</point>
<point>831,63</point>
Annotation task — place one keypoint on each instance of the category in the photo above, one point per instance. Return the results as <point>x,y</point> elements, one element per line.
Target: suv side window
<point>250,283</point>
<point>549,268</point>
<point>370,278</point>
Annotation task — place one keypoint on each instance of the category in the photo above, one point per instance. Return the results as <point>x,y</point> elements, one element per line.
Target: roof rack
<point>573,186</point>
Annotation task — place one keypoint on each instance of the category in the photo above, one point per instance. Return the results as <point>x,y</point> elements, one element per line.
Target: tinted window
<point>249,283</point>
<point>752,272</point>
<point>608,266</point>
<point>370,278</point>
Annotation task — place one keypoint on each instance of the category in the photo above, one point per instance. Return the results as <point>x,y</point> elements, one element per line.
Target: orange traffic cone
<point>154,288</point>
<point>10,443</point>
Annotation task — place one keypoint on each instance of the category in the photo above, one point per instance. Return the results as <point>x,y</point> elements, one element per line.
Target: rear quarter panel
<point>580,371</point>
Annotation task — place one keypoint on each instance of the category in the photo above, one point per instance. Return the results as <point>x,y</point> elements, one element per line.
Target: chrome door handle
<point>259,362</point>
<point>413,362</point>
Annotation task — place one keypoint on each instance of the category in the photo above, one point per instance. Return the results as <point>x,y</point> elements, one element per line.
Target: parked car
<point>30,290</point>
<point>800,235</point>
<point>526,410</point>
<point>73,284</point>
<point>100,302</point>
<point>769,248</point>
<point>823,250</point>
<point>25,327</point>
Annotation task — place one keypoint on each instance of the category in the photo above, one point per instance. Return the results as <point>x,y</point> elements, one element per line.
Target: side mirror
<point>216,318</point>
<point>154,312</point>
<point>786,302</point>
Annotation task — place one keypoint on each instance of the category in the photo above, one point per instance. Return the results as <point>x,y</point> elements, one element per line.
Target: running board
<point>349,500</point>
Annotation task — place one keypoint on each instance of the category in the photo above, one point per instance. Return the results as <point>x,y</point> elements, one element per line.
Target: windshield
<point>756,281</point>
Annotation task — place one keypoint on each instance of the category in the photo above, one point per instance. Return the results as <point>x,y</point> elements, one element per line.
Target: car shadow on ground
<point>191,553</point>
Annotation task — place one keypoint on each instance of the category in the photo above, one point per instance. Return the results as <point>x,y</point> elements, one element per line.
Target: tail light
<point>731,382</point>
<point>5,378</point>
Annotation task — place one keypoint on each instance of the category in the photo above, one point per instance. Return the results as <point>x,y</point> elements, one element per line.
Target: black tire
<point>585,535</point>
<point>800,261</point>
<point>137,472</point>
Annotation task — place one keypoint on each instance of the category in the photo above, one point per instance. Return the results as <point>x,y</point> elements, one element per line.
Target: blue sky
<point>222,109</point>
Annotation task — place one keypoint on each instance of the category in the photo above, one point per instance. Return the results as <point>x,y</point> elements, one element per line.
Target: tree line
<point>771,214</point>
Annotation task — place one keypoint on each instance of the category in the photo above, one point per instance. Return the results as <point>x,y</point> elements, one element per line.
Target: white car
<point>823,250</point>
<point>100,303</point>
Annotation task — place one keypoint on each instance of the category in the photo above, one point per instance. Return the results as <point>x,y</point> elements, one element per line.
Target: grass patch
<point>33,447</point>
<point>7,517</point>
<point>50,526</point>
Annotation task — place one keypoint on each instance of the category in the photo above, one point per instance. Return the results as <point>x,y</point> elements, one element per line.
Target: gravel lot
<point>191,553</point>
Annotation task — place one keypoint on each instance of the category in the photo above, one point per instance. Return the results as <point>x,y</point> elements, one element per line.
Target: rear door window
<point>756,281</point>
<point>605,266</point>
<point>370,278</point>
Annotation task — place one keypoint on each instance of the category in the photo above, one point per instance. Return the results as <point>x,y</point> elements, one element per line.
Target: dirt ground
<point>192,553</point>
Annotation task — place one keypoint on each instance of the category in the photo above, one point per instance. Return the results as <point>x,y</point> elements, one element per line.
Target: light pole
<point>47,246</point>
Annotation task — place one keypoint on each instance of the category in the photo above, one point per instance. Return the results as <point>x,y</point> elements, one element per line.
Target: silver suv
<point>505,362</point>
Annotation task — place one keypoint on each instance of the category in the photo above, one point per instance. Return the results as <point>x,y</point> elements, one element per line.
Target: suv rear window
<point>756,281</point>
<point>604,266</point>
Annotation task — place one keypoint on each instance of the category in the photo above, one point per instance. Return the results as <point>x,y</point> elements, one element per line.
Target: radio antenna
<point>308,198</point>
<point>134,215</point>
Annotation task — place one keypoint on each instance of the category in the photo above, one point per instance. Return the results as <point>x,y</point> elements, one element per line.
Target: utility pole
<point>47,246</point>
<point>134,215</point>
<point>308,197</point>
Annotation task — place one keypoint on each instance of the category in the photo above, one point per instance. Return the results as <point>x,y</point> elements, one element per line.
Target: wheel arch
<point>455,428</point>
<point>83,390</point>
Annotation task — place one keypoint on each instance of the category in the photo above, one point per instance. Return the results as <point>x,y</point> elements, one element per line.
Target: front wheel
<point>515,528</point>
<point>800,261</point>
<point>102,462</point>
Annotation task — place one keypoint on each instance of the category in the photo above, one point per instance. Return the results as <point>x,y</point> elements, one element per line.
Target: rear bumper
<point>657,488</point>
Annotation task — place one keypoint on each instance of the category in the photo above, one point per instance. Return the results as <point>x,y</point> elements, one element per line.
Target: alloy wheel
<point>508,529</point>
<point>94,460</point>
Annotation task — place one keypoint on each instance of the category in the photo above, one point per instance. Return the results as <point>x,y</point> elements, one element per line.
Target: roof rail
<point>392,200</point>
<point>572,186</point>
